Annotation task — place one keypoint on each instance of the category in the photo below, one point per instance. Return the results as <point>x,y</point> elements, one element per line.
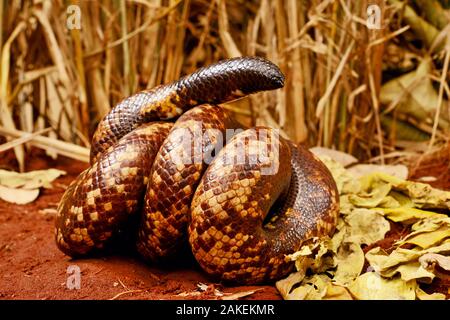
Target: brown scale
<point>172,184</point>
<point>229,234</point>
<point>241,223</point>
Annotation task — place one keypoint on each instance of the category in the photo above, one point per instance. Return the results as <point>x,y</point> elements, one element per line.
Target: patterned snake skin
<point>241,218</point>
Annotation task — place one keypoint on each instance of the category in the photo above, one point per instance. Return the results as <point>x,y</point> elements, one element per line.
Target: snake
<point>174,169</point>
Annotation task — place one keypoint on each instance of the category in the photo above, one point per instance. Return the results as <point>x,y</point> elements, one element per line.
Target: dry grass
<point>67,80</point>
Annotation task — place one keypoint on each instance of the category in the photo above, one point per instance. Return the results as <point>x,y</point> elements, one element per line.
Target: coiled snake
<point>240,222</point>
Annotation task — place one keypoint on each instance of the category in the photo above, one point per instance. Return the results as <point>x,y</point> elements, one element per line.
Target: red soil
<point>31,266</point>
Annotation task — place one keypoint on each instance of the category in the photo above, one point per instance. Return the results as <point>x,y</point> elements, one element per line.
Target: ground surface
<point>31,266</point>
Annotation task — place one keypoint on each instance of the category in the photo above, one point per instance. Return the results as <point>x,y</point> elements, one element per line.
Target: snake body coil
<point>240,221</point>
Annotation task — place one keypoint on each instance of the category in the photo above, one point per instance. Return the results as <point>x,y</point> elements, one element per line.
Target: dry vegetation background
<point>380,94</point>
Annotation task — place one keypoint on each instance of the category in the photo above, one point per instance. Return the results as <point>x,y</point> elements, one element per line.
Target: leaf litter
<point>333,268</point>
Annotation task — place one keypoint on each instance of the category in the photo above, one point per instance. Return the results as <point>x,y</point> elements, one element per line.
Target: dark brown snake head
<point>240,222</point>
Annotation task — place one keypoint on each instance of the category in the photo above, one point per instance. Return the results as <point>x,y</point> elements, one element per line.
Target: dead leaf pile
<point>333,268</point>
<point>22,188</point>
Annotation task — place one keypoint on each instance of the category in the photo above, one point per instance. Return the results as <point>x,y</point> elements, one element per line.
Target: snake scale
<point>240,222</point>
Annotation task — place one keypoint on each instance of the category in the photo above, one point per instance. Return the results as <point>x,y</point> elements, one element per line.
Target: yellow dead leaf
<point>412,271</point>
<point>345,205</point>
<point>443,248</point>
<point>404,261</point>
<point>408,270</point>
<point>342,158</point>
<point>285,286</point>
<point>238,295</point>
<point>429,224</point>
<point>312,288</point>
<point>382,262</point>
<point>304,251</point>
<point>323,260</point>
<point>350,261</point>
<point>345,182</point>
<point>302,263</point>
<point>372,197</point>
<point>421,194</point>
<point>314,255</point>
<point>319,287</point>
<point>403,200</point>
<point>366,226</point>
<point>425,196</point>
<point>365,205</point>
<point>360,170</point>
<point>428,239</point>
<point>368,182</point>
<point>29,180</point>
<point>371,286</point>
<point>338,238</point>
<point>335,292</point>
<point>422,295</point>
<point>408,215</point>
<point>18,196</point>
<point>389,202</point>
<point>428,232</point>
<point>414,92</point>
